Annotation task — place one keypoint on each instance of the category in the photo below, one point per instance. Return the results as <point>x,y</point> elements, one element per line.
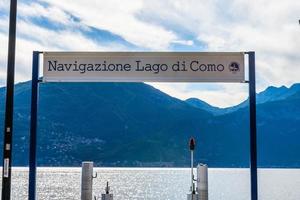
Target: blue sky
<point>269,27</point>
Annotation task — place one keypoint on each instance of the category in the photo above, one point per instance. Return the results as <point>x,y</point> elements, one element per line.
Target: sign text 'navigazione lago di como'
<point>143,66</point>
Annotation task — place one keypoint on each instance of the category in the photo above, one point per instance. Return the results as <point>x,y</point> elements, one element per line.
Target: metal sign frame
<point>33,125</point>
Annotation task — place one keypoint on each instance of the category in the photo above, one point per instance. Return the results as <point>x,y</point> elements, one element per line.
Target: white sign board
<point>143,67</point>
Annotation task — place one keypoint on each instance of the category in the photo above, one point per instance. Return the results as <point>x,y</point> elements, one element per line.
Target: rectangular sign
<point>143,67</point>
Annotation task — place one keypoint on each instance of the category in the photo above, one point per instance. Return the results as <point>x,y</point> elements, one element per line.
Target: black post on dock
<point>33,125</point>
<point>253,137</point>
<point>8,128</point>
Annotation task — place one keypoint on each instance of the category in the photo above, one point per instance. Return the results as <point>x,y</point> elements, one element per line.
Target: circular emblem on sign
<point>234,67</point>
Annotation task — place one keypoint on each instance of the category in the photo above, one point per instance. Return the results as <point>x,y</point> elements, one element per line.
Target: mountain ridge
<point>134,124</point>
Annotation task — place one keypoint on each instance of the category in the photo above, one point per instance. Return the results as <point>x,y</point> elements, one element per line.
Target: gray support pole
<point>253,139</point>
<point>87,181</point>
<point>8,127</point>
<point>192,172</point>
<point>202,181</point>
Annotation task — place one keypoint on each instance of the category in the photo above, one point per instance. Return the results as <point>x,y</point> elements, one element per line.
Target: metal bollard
<point>87,181</point>
<point>202,181</point>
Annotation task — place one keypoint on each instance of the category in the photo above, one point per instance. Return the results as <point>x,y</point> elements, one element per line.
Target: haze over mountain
<point>270,94</point>
<point>134,124</point>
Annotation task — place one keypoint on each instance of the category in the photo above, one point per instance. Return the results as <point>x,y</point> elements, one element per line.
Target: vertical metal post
<point>33,125</point>
<point>87,181</point>
<point>8,128</point>
<point>202,181</point>
<point>253,138</point>
<point>192,172</point>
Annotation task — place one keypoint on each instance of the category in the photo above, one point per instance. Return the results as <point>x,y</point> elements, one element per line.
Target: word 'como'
<point>139,66</point>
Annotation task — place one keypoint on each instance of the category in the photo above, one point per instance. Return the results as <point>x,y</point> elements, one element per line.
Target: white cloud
<point>269,27</point>
<point>54,14</point>
<point>230,94</point>
<point>31,37</point>
<point>4,4</point>
<point>55,40</point>
<point>119,17</point>
<point>184,42</point>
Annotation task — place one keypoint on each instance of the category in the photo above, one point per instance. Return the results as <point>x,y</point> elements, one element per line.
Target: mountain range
<point>134,124</point>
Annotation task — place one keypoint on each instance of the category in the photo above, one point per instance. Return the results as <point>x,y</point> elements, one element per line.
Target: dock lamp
<point>192,145</point>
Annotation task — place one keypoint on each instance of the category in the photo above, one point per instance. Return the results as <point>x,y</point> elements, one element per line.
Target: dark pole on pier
<point>8,128</point>
<point>33,126</point>
<point>253,137</point>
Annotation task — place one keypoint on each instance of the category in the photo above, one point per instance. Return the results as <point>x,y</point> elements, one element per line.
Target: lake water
<point>158,183</point>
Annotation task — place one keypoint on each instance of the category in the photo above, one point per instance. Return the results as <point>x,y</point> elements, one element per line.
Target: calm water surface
<point>158,183</point>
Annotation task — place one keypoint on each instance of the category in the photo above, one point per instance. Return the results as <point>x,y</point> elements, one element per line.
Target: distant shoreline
<point>184,167</point>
